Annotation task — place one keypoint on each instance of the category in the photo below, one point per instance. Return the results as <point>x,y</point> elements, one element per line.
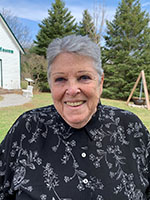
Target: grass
<point>10,114</point>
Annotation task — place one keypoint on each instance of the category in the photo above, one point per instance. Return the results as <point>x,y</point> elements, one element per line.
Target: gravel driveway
<point>13,100</point>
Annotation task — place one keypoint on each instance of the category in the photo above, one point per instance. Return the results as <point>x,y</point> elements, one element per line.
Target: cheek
<point>56,94</point>
<point>93,92</point>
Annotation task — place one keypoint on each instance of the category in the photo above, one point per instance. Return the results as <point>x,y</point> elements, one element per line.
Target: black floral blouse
<point>43,158</point>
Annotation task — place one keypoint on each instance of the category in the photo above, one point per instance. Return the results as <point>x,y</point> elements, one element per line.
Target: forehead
<point>72,60</point>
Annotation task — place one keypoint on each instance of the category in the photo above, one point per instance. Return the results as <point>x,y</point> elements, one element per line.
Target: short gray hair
<point>81,45</point>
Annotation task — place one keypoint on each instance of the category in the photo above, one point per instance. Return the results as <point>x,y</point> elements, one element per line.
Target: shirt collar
<point>66,131</point>
<point>94,123</point>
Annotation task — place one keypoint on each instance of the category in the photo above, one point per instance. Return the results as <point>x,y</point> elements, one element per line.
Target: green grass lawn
<point>10,114</point>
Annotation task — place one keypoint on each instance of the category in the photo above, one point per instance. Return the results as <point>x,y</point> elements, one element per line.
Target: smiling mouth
<point>74,104</point>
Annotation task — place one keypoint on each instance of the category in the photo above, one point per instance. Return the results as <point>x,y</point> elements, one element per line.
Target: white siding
<point>10,61</point>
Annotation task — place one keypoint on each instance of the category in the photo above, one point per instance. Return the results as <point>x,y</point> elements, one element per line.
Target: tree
<point>99,18</point>
<point>93,25</point>
<point>59,23</point>
<point>127,49</point>
<point>21,32</point>
<point>87,27</point>
<point>35,67</point>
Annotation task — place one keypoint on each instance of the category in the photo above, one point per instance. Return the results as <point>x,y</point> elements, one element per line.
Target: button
<point>83,155</point>
<point>85,181</point>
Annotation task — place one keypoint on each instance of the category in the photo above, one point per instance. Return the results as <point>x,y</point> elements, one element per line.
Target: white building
<point>10,57</point>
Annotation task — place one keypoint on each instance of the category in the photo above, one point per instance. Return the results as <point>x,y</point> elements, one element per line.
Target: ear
<point>101,84</point>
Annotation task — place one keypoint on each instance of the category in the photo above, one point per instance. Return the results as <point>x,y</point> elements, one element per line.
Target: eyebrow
<point>84,71</point>
<point>57,73</point>
<point>62,73</point>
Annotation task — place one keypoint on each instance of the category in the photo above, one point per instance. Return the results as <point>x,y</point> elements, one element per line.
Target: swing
<point>139,100</point>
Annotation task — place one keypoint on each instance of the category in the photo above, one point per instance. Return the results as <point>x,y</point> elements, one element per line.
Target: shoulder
<point>117,117</point>
<point>124,125</point>
<point>113,112</point>
<point>29,125</point>
<point>37,114</point>
<point>43,111</point>
<point>31,120</point>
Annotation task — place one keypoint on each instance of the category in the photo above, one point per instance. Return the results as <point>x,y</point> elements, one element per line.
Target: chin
<point>77,126</point>
<point>77,123</point>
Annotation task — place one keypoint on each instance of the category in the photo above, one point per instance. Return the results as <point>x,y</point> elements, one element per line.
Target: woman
<point>76,149</point>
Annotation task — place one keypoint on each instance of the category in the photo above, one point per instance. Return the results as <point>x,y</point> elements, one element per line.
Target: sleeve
<point>5,171</point>
<point>7,161</point>
<point>2,171</point>
<point>148,164</point>
<point>139,138</point>
<point>143,154</point>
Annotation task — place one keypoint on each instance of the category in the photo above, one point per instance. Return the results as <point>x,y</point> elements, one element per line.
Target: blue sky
<point>32,12</point>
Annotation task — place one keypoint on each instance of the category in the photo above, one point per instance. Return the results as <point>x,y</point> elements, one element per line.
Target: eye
<point>60,79</point>
<point>85,77</point>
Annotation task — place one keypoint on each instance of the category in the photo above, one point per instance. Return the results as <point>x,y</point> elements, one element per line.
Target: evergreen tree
<point>87,27</point>
<point>59,23</point>
<point>127,49</point>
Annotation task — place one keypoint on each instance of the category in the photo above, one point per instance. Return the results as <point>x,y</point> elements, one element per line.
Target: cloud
<point>26,10</point>
<point>34,10</point>
<point>37,11</point>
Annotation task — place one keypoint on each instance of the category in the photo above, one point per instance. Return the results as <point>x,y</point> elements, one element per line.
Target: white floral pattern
<point>41,157</point>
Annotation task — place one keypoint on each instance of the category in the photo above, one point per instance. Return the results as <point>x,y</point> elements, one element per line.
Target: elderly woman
<point>76,149</point>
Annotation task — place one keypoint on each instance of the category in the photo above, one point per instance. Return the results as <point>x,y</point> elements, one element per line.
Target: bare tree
<point>98,19</point>
<point>21,32</point>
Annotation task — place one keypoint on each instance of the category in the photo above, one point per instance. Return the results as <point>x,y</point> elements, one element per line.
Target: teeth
<point>74,103</point>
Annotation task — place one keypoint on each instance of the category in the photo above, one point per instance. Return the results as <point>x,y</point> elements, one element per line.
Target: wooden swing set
<point>143,83</point>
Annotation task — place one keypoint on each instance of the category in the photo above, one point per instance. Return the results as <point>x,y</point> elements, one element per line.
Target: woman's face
<point>75,88</point>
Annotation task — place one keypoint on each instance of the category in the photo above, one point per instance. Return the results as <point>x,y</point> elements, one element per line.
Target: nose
<point>72,88</point>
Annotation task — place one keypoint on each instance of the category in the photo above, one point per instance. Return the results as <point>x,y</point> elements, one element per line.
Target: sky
<point>32,12</point>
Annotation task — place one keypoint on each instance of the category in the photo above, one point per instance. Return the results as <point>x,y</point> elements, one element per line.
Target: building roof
<point>11,34</point>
